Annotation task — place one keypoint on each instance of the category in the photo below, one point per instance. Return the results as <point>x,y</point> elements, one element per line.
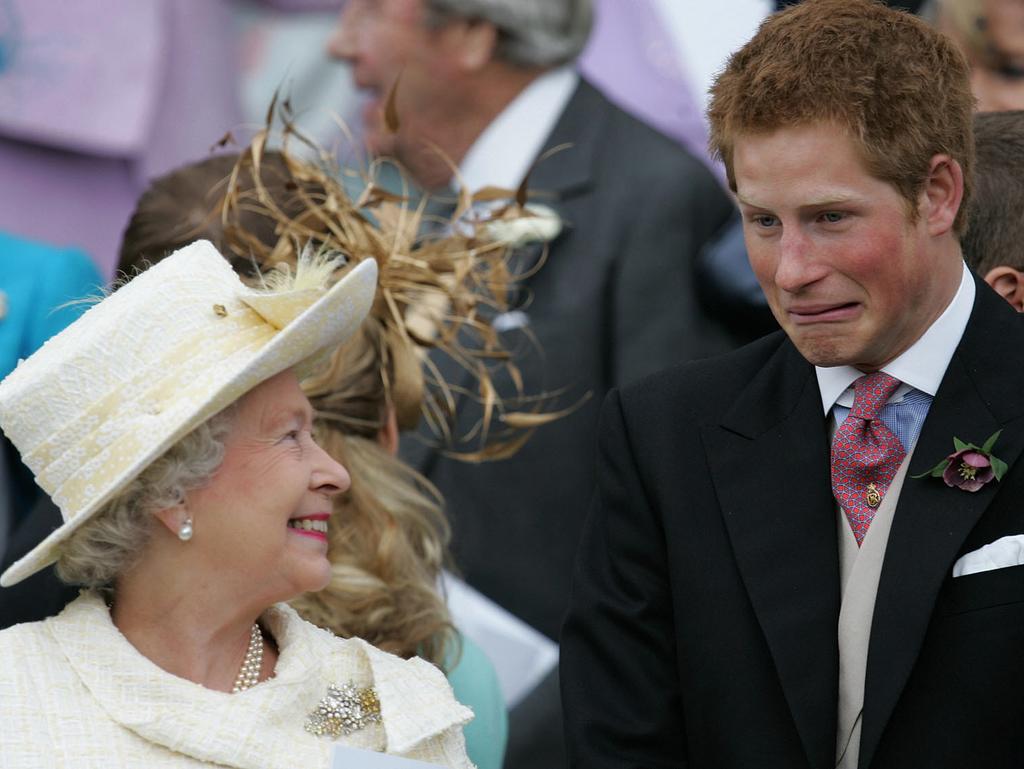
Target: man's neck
<point>923,364</point>
<point>430,160</point>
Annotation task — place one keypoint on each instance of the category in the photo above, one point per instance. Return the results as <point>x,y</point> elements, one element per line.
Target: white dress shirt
<point>503,153</point>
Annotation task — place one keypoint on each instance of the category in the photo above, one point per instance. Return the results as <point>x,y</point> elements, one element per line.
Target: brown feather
<point>435,293</point>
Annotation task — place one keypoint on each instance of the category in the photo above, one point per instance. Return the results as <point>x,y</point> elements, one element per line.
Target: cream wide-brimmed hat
<point>99,402</point>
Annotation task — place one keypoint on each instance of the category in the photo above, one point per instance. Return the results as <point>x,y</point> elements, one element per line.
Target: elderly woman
<point>261,207</point>
<point>169,426</point>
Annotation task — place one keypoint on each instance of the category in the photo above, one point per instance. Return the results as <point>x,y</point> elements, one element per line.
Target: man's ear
<point>173,517</point>
<point>942,194</point>
<point>472,42</point>
<point>1009,284</point>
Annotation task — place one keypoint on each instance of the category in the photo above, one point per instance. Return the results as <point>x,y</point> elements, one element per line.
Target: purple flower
<point>968,469</point>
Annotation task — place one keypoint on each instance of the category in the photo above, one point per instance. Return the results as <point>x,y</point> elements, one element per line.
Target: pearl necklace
<point>249,675</point>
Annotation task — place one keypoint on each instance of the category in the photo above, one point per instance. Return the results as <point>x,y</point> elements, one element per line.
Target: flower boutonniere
<point>969,467</point>
<point>534,223</point>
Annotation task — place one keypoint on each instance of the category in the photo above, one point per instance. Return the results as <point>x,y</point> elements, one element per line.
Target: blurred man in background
<point>489,86</point>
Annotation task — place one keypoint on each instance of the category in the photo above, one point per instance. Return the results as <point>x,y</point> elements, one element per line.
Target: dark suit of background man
<point>723,614</point>
<point>491,84</point>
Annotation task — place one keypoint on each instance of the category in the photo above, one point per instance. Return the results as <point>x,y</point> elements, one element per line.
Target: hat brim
<point>324,325</point>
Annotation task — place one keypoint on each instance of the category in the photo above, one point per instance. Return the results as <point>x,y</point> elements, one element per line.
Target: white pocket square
<point>1008,551</point>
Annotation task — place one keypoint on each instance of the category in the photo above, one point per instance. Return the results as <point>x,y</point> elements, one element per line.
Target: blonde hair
<point>388,554</point>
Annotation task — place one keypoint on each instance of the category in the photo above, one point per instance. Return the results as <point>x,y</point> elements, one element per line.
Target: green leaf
<point>987,448</point>
<point>959,445</point>
<point>999,467</point>
<point>935,472</point>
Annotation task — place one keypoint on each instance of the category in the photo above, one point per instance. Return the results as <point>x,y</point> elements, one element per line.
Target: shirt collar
<point>501,156</point>
<point>920,367</point>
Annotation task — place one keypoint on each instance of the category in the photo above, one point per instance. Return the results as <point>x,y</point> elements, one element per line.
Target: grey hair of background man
<point>531,33</point>
<point>995,221</point>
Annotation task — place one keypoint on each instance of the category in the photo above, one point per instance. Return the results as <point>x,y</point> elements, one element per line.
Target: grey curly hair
<point>109,544</point>
<point>532,33</point>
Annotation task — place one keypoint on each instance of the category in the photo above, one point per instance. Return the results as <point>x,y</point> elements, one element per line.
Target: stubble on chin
<point>821,350</point>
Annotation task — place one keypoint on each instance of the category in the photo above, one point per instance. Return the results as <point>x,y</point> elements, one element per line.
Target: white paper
<point>521,655</point>
<point>343,757</point>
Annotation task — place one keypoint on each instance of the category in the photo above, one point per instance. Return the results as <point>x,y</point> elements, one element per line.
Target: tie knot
<point>870,393</point>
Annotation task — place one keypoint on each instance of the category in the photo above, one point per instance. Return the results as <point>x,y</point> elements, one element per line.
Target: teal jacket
<point>37,281</point>
<point>475,684</point>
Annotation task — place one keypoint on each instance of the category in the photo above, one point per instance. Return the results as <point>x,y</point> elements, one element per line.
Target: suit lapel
<point>556,179</point>
<point>559,179</point>
<point>569,171</point>
<point>769,463</point>
<point>563,179</point>
<point>979,394</point>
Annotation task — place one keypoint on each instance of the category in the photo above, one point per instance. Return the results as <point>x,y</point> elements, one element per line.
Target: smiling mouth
<point>312,526</point>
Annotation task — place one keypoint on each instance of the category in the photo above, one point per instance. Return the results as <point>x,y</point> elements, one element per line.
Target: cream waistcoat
<point>75,693</point>
<point>859,571</point>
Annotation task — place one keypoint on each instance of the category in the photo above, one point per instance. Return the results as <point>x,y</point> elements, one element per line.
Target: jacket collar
<point>506,149</point>
<point>574,141</point>
<point>263,726</point>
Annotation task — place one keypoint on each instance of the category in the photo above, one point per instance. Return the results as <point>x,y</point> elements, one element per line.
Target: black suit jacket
<point>614,302</point>
<point>703,625</point>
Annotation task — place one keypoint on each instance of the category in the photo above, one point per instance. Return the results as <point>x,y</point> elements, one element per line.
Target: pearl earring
<point>185,530</point>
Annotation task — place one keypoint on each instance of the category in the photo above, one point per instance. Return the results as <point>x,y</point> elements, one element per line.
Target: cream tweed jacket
<point>75,693</point>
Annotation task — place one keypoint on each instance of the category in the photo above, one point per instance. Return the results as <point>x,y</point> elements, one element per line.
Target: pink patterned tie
<point>865,453</point>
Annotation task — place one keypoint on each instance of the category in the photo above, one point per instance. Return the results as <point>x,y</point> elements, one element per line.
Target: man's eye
<point>764,220</point>
<point>832,217</point>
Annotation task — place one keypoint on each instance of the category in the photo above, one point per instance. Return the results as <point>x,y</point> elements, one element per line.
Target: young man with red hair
<point>771,574</point>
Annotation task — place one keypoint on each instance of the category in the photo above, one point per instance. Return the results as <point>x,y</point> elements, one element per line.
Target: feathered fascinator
<point>437,294</point>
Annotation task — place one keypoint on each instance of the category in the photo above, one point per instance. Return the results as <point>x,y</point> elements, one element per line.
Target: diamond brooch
<point>344,710</point>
